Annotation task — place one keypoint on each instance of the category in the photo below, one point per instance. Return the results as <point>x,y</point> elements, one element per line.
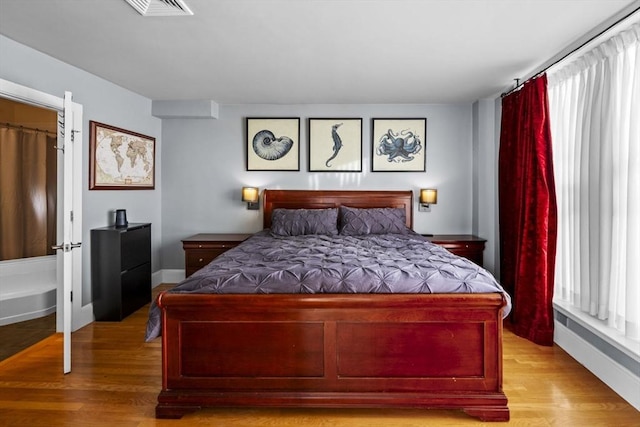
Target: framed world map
<point>120,159</point>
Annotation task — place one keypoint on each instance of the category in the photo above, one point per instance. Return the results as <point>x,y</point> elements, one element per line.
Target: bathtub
<point>27,289</point>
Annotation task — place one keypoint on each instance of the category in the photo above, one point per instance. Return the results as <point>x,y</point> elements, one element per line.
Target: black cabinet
<point>120,270</point>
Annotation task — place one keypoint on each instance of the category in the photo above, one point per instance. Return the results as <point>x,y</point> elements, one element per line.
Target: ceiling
<point>309,51</point>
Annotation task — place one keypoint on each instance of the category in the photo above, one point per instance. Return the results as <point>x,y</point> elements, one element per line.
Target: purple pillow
<point>296,222</point>
<point>355,222</point>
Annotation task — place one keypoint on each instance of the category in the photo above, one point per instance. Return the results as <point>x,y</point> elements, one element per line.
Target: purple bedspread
<point>374,263</point>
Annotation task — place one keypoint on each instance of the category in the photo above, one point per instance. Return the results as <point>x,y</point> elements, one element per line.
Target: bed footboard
<point>424,351</point>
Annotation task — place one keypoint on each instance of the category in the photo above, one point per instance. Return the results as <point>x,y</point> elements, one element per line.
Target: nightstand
<point>201,249</point>
<point>466,245</point>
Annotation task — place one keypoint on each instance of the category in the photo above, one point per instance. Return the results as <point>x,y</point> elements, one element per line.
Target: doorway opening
<point>28,224</point>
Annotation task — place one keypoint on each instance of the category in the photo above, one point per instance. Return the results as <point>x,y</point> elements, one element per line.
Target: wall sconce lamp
<point>428,197</point>
<point>251,195</point>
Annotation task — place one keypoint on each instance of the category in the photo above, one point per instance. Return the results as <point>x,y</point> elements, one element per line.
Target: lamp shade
<point>250,194</point>
<point>429,196</point>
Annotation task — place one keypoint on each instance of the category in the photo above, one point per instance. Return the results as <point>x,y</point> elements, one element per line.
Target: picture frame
<point>120,159</point>
<point>273,144</point>
<point>335,145</point>
<point>398,145</point>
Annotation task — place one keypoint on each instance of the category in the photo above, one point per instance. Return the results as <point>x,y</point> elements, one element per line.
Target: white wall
<point>204,168</point>
<point>486,137</point>
<point>106,103</point>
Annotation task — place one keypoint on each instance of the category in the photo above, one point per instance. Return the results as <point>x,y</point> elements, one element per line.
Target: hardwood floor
<point>16,337</point>
<point>116,378</point>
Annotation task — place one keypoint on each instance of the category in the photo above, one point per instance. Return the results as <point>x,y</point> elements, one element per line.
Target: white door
<point>70,206</point>
<point>70,144</point>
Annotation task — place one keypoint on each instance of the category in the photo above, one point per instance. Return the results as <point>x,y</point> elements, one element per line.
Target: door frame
<point>80,315</point>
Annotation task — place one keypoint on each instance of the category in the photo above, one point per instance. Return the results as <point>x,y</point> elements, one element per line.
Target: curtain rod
<point>521,82</point>
<point>11,125</point>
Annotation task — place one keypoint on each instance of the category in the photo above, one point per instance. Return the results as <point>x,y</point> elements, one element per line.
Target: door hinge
<point>71,216</point>
<point>71,295</point>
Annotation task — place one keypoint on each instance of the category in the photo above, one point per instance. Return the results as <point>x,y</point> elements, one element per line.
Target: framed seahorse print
<point>335,145</point>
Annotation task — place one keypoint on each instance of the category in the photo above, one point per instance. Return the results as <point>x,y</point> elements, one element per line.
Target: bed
<point>337,350</point>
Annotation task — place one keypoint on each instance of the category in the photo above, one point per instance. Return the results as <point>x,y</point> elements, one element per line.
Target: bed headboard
<point>319,199</point>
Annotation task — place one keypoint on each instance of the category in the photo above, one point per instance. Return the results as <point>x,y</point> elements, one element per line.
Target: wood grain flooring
<point>116,379</point>
<point>18,336</point>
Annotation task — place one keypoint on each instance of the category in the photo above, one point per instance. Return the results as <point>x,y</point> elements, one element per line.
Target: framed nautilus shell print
<point>273,144</point>
<point>398,145</point>
<point>335,145</point>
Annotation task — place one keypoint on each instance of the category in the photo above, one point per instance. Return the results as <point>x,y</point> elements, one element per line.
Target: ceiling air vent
<point>160,7</point>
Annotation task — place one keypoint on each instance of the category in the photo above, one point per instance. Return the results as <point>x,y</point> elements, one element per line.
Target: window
<point>595,124</point>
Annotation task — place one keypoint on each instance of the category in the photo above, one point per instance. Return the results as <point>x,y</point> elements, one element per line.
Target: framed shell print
<point>273,144</point>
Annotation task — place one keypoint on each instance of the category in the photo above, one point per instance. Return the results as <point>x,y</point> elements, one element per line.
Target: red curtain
<point>528,212</point>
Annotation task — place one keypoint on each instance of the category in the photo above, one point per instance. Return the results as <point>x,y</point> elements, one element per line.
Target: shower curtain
<point>28,192</point>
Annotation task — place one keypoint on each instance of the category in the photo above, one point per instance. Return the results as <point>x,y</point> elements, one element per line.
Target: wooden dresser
<point>201,249</point>
<point>466,245</point>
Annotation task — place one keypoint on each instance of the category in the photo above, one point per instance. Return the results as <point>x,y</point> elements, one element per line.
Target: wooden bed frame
<point>333,350</point>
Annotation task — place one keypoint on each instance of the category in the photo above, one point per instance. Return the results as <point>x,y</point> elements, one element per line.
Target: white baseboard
<point>167,276</point>
<point>22,317</point>
<point>620,379</point>
<point>82,318</point>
